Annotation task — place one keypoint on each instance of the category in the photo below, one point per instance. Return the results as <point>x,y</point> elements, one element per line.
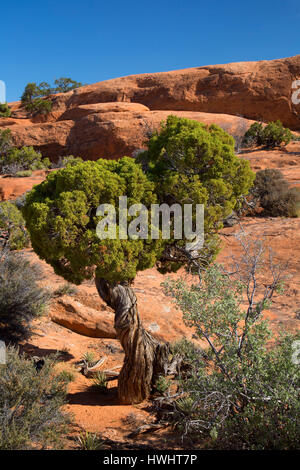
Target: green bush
<point>39,106</point>
<point>31,92</point>
<point>244,392</point>
<point>13,224</point>
<point>89,441</point>
<point>31,416</point>
<point>272,192</point>
<point>190,162</point>
<point>60,215</point>
<point>34,92</point>
<point>5,142</point>
<point>24,174</point>
<point>272,135</point>
<point>23,159</point>
<point>65,84</point>
<point>21,298</point>
<point>4,110</point>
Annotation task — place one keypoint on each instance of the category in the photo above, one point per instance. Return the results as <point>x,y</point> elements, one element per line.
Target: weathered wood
<point>145,357</point>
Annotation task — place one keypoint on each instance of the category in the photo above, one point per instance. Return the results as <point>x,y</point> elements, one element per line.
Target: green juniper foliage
<point>272,135</point>
<point>31,416</point>
<point>60,215</point>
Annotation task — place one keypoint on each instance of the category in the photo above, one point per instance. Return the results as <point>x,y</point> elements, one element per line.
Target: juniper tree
<point>61,216</point>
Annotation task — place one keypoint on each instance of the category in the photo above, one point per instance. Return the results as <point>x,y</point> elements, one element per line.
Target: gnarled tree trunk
<point>145,357</point>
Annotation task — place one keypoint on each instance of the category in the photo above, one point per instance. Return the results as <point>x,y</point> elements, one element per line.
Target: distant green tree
<point>39,106</point>
<point>31,92</point>
<point>65,84</point>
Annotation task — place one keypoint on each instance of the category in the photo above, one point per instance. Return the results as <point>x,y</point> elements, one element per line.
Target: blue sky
<point>91,40</point>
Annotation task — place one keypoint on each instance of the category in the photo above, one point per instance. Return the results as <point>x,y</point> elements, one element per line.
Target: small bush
<point>272,135</point>
<point>30,404</point>
<point>21,298</point>
<point>65,289</point>
<point>272,192</point>
<point>89,358</point>
<point>100,381</point>
<point>12,226</point>
<point>24,159</point>
<point>68,160</point>
<point>4,110</point>
<point>39,106</point>
<point>162,384</point>
<point>66,376</point>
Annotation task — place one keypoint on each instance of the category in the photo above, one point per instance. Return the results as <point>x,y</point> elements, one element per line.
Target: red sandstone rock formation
<point>111,118</point>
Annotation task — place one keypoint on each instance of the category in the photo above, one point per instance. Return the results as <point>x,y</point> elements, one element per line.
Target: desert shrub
<point>23,159</point>
<point>89,441</point>
<point>21,298</point>
<point>39,106</point>
<point>12,226</point>
<point>68,160</point>
<point>162,385</point>
<point>272,135</point>
<point>190,162</point>
<point>254,135</point>
<point>272,192</point>
<point>34,92</point>
<point>89,358</point>
<point>4,110</point>
<point>23,174</point>
<point>65,84</point>
<point>30,404</point>
<point>244,393</point>
<point>31,92</point>
<point>65,289</point>
<point>5,142</point>
<point>100,381</point>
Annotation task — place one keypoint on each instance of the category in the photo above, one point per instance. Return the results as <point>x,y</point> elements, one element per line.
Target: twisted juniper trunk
<point>145,357</point>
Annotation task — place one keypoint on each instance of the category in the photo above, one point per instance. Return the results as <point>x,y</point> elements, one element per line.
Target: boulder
<point>82,319</point>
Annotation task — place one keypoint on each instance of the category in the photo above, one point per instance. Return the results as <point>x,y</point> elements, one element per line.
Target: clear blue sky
<point>91,40</point>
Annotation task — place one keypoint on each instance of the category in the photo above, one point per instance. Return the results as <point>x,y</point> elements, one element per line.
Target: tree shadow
<point>32,350</point>
<point>92,397</point>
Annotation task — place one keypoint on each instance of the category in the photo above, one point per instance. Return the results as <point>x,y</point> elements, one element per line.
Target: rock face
<point>82,319</point>
<point>110,119</point>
